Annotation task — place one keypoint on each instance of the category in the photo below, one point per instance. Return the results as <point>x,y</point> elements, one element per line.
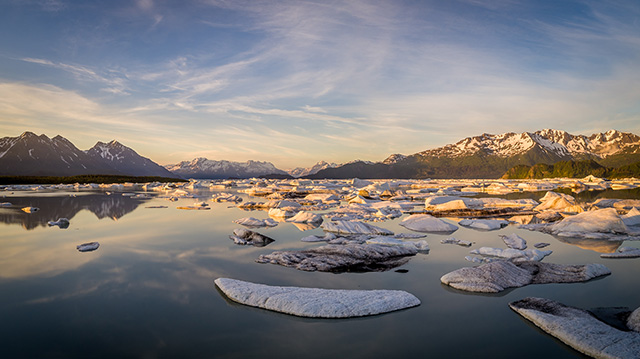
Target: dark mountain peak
<point>28,134</point>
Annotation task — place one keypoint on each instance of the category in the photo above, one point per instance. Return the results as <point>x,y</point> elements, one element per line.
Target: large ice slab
<point>516,255</point>
<point>497,276</point>
<point>351,257</point>
<point>254,222</point>
<point>514,241</point>
<point>484,224</point>
<point>427,223</point>
<point>632,218</point>
<point>316,302</point>
<point>579,329</point>
<point>353,227</point>
<point>604,221</point>
<point>623,252</point>
<point>246,237</point>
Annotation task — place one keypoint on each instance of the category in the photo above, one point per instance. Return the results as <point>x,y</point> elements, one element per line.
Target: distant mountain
<point>125,160</point>
<point>301,171</point>
<point>33,155</point>
<point>490,156</point>
<point>203,168</point>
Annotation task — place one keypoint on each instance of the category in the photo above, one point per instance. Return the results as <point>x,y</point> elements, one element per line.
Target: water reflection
<point>113,206</point>
<point>596,245</point>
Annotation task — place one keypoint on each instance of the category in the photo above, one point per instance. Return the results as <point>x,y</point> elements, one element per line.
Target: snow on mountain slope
<point>301,171</point>
<point>557,142</point>
<point>205,168</point>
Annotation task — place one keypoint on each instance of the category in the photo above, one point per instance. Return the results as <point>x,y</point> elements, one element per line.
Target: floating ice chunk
<point>30,209</point>
<point>353,227</point>
<point>632,218</point>
<point>409,235</point>
<point>61,222</point>
<point>623,252</point>
<point>512,254</point>
<point>484,224</point>
<point>323,197</point>
<point>579,328</point>
<point>306,217</point>
<point>281,213</point>
<point>599,221</point>
<point>421,246</point>
<point>497,276</point>
<point>559,202</point>
<point>254,222</point>
<point>633,321</point>
<point>541,245</point>
<point>316,302</point>
<point>514,241</point>
<point>88,247</point>
<point>427,223</point>
<point>225,197</point>
<point>245,237</point>
<point>460,242</point>
<point>313,238</point>
<point>351,257</point>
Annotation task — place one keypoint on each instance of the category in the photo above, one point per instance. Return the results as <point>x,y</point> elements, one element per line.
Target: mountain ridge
<point>38,155</point>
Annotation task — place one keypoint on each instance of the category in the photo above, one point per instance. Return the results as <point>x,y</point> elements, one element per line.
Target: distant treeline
<point>5,180</point>
<point>572,169</point>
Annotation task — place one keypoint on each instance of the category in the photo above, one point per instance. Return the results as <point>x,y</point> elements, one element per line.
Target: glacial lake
<point>148,291</point>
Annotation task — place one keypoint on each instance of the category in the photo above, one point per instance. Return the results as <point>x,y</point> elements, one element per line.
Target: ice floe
<point>623,252</point>
<point>313,238</point>
<point>254,222</point>
<point>514,241</point>
<point>559,202</point>
<point>88,247</point>
<point>604,221</point>
<point>350,257</point>
<point>225,197</point>
<point>247,237</point>
<point>512,254</point>
<point>579,329</point>
<point>420,246</point>
<point>306,217</point>
<point>427,223</point>
<point>316,302</point>
<point>61,222</point>
<point>632,218</point>
<point>497,276</point>
<point>353,227</point>
<point>452,240</point>
<point>484,224</point>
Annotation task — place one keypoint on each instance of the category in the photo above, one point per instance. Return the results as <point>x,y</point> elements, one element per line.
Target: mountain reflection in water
<point>112,206</point>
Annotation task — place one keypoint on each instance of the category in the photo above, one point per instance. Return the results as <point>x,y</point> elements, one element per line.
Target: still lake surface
<point>148,291</point>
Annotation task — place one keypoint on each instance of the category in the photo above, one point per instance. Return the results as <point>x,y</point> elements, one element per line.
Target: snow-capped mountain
<point>126,160</point>
<point>33,155</point>
<point>301,171</point>
<point>210,169</point>
<point>396,157</point>
<point>490,156</point>
<point>554,142</point>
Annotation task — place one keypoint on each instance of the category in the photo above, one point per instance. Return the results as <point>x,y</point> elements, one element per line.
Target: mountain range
<point>33,155</point>
<point>210,169</point>
<point>484,156</point>
<point>490,156</point>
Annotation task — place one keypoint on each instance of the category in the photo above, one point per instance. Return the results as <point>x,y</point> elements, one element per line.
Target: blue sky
<point>295,82</point>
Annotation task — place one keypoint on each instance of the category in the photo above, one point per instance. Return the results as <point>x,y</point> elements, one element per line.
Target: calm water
<point>148,290</point>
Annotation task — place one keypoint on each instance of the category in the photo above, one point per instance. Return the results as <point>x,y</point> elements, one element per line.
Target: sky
<point>296,82</point>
